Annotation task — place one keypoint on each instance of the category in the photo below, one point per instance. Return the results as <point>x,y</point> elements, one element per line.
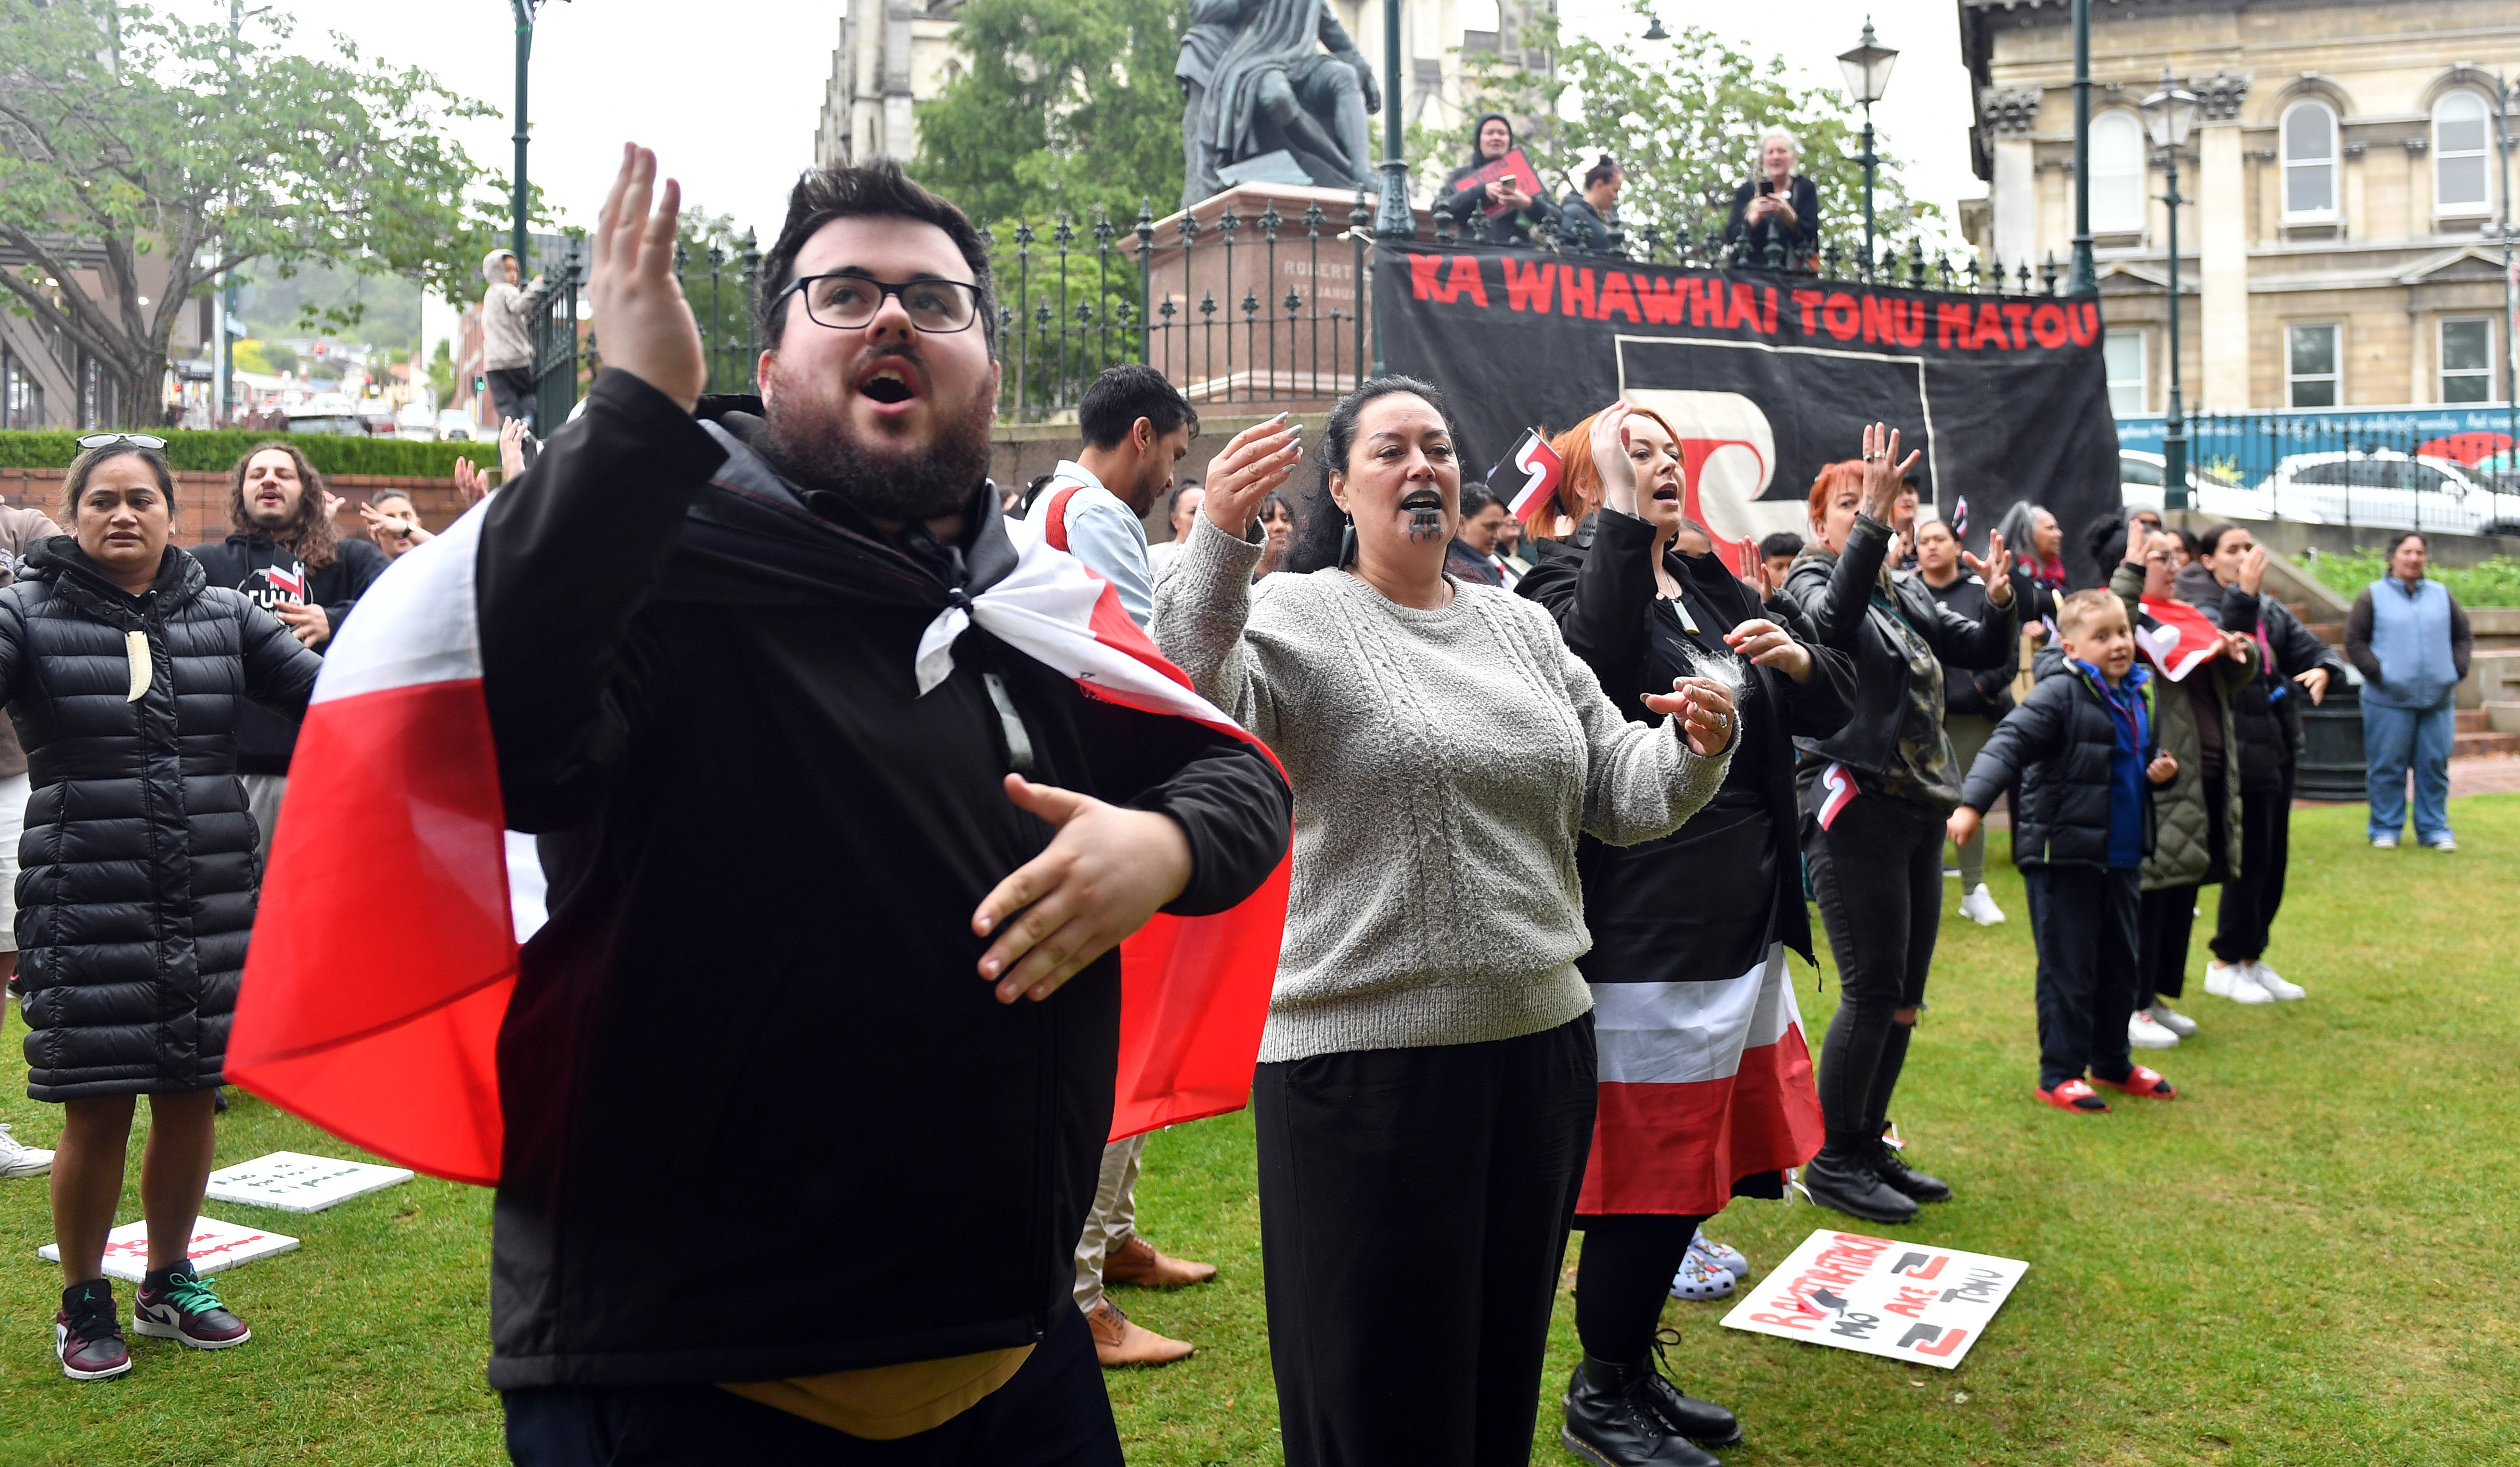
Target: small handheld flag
<point>1959,516</point>
<point>1838,783</point>
<point>2179,639</point>
<point>1528,476</point>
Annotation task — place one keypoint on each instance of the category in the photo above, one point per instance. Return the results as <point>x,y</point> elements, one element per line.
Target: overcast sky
<point>728,94</point>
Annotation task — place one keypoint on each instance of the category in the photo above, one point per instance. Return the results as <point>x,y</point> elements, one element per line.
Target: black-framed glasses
<point>848,299</point>
<point>107,440</point>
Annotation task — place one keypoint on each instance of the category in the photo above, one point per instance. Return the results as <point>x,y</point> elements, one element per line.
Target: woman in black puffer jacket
<point>125,672</point>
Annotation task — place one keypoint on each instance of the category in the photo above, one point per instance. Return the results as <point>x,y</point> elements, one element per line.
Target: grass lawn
<point>2304,1261</point>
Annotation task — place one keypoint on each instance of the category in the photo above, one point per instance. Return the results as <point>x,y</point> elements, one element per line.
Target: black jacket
<point>1600,588</point>
<point>243,563</point>
<point>1466,563</point>
<point>1985,691</point>
<point>1845,610</point>
<point>2056,745</point>
<point>700,684</point>
<point>1580,227</point>
<point>1801,241</point>
<point>2266,711</point>
<point>1468,206</point>
<point>137,872</point>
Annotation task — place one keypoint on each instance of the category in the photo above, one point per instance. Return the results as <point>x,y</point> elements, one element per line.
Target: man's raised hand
<point>642,323</point>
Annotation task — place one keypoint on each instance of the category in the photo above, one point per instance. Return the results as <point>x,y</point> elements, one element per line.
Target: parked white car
<point>2386,489</point>
<point>415,423</point>
<point>2142,475</point>
<point>454,426</point>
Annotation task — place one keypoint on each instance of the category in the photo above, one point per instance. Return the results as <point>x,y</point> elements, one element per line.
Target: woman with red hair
<point>1877,792</point>
<point>1706,1086</point>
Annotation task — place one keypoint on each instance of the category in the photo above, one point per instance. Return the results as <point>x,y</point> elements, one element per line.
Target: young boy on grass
<point>2084,746</point>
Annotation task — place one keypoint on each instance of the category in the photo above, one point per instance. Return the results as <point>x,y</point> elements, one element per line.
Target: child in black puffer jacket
<point>2084,746</point>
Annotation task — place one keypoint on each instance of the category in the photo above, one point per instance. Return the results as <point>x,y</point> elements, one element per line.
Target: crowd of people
<point>1562,794</point>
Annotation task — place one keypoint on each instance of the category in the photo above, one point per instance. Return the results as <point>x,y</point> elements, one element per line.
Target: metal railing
<point>552,326</point>
<point>2448,469</point>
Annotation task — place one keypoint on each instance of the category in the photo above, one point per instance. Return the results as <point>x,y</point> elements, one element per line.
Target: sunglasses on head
<point>105,440</point>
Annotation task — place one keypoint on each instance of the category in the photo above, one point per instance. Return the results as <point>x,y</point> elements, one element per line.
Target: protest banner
<point>295,1182</point>
<point>1765,377</point>
<point>215,1246</point>
<point>1879,1296</point>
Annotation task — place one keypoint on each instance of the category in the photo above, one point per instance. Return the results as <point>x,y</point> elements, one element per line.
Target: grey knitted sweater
<point>1444,763</point>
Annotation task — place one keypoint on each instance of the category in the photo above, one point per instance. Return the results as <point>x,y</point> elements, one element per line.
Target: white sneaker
<point>2235,982</point>
<point>2171,1019</point>
<point>1705,1250</point>
<point>2443,844</point>
<point>2144,1034</point>
<point>1979,907</point>
<point>22,1161</point>
<point>1700,1282</point>
<point>2266,978</point>
<point>2384,842</point>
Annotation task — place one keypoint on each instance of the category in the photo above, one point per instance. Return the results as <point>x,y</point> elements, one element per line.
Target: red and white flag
<point>387,1035</point>
<point>1528,476</point>
<point>1837,791</point>
<point>2182,639</point>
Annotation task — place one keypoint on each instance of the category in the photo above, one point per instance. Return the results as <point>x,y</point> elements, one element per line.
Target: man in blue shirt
<point>1136,426</point>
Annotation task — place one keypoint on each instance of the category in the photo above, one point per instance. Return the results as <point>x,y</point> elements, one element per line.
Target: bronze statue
<point>1264,76</point>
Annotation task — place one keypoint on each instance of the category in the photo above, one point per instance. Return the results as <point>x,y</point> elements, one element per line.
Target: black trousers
<point>2249,904</point>
<point>1622,1278</point>
<point>511,391</point>
<point>2164,921</point>
<point>1877,872</point>
<point>2084,921</point>
<point>1414,1212</point>
<point>1052,1413</point>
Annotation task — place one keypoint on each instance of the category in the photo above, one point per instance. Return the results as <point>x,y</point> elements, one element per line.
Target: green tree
<point>441,373</point>
<point>1067,106</point>
<point>124,133</point>
<point>1682,117</point>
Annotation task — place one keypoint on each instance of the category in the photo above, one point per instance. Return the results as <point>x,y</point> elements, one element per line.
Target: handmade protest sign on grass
<point>215,1246</point>
<point>295,1182</point>
<point>1879,1296</point>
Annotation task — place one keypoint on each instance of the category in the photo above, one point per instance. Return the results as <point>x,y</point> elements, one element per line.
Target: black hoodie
<point>1468,206</point>
<point>756,1011</point>
<point>269,573</point>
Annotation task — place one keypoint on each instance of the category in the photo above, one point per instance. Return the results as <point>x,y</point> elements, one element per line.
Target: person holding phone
<point>1491,139</point>
<point>1778,203</point>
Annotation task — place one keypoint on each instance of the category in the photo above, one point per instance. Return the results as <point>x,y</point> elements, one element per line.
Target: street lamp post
<point>227,304</point>
<point>2168,114</point>
<point>524,10</point>
<point>1867,69</point>
<point>1393,219</point>
<point>2084,277</point>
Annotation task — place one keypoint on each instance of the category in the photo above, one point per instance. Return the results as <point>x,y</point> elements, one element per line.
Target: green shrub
<point>2487,583</point>
<point>217,452</point>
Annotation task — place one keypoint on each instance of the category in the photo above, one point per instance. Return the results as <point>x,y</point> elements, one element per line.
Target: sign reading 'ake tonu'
<point>1879,1296</point>
<point>295,1182</point>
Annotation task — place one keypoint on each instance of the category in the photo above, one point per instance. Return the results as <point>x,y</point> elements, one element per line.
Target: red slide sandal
<point>2141,1081</point>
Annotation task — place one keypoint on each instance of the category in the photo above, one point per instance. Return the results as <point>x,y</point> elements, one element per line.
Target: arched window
<point>2117,174</point>
<point>2460,137</point>
<point>2309,162</point>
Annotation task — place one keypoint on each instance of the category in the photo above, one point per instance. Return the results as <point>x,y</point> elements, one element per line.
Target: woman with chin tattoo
<point>1426,1085</point>
<point>1706,1083</point>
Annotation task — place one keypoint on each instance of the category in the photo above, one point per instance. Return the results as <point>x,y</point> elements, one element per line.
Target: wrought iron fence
<point>552,326</point>
<point>717,283</point>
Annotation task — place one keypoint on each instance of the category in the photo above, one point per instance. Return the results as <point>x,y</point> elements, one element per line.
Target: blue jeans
<point>2392,738</point>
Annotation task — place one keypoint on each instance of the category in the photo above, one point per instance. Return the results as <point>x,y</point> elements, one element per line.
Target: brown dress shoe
<point>1136,1264</point>
<point>1119,1341</point>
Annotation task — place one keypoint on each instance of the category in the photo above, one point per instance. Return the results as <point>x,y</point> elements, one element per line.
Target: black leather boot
<point>1612,1420</point>
<point>1847,1180</point>
<point>1891,1166</point>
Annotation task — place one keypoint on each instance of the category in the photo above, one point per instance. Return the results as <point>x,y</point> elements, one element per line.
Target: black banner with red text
<point>1767,377</point>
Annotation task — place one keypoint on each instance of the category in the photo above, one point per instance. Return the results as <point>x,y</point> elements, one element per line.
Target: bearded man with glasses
<point>856,891</point>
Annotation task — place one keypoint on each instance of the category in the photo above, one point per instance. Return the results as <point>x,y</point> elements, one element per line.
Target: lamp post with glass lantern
<point>2168,116</point>
<point>1868,75</point>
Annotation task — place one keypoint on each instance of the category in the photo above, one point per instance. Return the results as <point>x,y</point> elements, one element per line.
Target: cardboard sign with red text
<point>1514,167</point>
<point>1879,1296</point>
<point>215,1245</point>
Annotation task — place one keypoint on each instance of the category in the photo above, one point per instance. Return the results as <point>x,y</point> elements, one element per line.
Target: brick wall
<point>201,499</point>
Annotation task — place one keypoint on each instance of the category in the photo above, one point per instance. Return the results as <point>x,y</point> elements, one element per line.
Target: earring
<point>1347,541</point>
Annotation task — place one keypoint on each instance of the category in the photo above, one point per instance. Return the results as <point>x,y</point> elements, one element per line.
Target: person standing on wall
<point>1876,795</point>
<point>2409,636</point>
<point>1776,203</point>
<point>287,555</point>
<point>1587,219</point>
<point>1973,702</point>
<point>2224,584</point>
<point>1136,426</point>
<point>1521,213</point>
<point>507,346</point>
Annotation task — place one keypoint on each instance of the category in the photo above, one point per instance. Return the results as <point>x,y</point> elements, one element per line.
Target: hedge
<point>217,452</point>
<point>2494,582</point>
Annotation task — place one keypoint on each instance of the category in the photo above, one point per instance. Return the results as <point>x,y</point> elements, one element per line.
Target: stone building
<point>892,54</point>
<point>2341,247</point>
